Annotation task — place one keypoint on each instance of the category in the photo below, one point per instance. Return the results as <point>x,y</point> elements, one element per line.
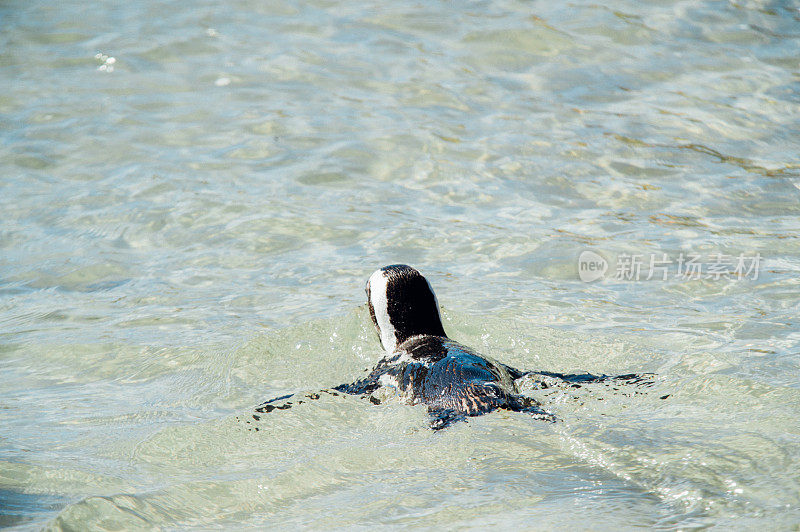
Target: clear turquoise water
<point>187,230</point>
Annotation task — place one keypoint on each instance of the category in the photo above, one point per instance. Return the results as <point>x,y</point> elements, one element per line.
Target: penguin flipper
<point>639,379</point>
<point>528,405</point>
<point>443,418</point>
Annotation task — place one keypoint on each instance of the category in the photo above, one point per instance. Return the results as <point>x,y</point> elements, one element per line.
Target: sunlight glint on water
<point>193,197</point>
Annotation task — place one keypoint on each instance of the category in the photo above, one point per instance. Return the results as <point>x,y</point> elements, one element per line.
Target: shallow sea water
<point>194,194</point>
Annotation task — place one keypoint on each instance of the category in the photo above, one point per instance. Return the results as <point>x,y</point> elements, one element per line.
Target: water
<point>194,195</point>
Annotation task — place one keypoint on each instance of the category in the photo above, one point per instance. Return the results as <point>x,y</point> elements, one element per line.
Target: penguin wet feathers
<point>423,364</point>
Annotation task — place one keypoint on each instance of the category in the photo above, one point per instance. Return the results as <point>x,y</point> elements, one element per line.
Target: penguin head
<point>402,304</point>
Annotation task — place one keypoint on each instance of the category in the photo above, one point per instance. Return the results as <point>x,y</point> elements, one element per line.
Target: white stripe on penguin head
<point>378,286</point>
